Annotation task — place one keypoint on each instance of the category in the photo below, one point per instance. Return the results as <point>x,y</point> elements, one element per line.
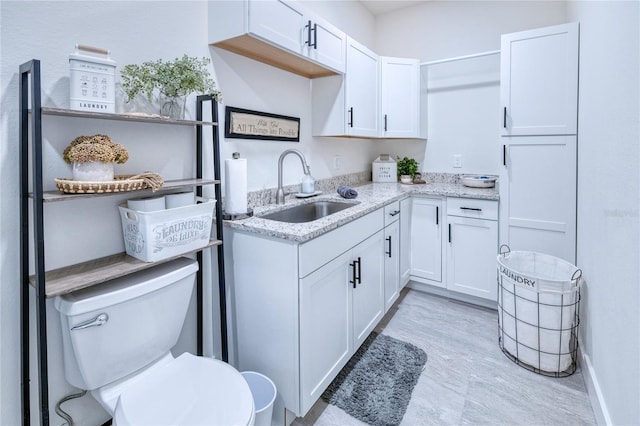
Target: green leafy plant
<point>407,166</point>
<point>179,77</point>
<point>85,149</point>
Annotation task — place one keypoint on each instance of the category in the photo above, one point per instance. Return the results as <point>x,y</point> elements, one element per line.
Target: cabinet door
<point>471,256</point>
<point>328,44</point>
<point>361,90</point>
<point>368,294</point>
<point>538,195</point>
<point>539,81</point>
<point>325,327</point>
<point>399,97</point>
<point>426,240</point>
<point>278,22</point>
<point>391,264</point>
<point>405,241</point>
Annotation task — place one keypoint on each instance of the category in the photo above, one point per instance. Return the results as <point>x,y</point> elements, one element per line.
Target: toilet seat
<point>189,390</point>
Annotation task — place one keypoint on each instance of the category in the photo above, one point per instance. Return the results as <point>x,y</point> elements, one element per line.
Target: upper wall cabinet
<point>348,105</point>
<point>539,81</point>
<point>399,97</point>
<point>279,33</point>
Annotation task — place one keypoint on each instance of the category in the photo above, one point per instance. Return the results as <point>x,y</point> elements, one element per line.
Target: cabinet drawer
<point>319,251</point>
<point>472,207</point>
<point>391,212</point>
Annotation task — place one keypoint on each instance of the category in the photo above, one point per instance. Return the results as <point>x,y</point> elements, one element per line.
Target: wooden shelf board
<point>123,117</point>
<point>53,196</point>
<point>261,51</point>
<point>87,274</point>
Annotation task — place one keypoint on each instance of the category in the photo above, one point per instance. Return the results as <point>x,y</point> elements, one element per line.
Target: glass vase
<point>172,106</point>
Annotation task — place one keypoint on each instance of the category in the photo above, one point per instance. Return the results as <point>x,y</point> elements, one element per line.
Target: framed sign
<point>247,124</point>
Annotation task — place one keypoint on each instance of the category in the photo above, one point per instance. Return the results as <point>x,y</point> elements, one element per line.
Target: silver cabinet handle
<point>93,322</point>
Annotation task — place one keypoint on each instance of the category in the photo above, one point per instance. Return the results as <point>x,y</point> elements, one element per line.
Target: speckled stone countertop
<point>371,196</point>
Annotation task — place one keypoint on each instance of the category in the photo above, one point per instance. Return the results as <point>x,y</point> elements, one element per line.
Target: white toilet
<point>117,340</point>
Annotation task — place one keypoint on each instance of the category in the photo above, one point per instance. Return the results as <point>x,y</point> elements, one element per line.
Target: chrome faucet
<point>305,167</point>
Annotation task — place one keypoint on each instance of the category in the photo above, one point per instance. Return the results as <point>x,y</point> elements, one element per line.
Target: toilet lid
<point>190,390</point>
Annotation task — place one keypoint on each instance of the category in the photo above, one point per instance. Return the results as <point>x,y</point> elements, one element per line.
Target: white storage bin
<point>538,299</point>
<point>157,235</point>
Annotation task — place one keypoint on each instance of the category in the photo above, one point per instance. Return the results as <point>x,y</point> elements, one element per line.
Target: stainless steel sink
<point>307,212</point>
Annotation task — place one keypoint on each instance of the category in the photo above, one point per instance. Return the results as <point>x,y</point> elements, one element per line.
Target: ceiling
<point>380,7</point>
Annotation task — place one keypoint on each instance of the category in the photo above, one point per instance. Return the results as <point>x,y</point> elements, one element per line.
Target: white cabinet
<point>368,293</point>
<point>539,81</point>
<point>280,33</point>
<point>426,240</point>
<point>300,322</point>
<point>399,97</point>
<point>538,177</point>
<point>391,254</point>
<point>405,241</point>
<point>325,326</point>
<point>538,195</point>
<point>348,105</point>
<point>340,304</point>
<point>472,246</point>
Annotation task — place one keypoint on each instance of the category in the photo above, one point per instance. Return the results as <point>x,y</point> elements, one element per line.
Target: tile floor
<point>467,379</point>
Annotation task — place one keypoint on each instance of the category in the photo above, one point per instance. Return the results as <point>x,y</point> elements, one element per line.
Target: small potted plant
<point>407,169</point>
<point>170,82</point>
<point>93,157</point>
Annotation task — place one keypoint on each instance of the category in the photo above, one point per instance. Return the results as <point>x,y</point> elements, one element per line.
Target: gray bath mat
<point>376,384</point>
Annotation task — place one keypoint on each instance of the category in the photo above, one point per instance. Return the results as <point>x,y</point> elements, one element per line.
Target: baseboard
<point>593,389</point>
<point>451,295</point>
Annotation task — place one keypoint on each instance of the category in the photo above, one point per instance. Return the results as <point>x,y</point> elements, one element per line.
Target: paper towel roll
<point>235,178</point>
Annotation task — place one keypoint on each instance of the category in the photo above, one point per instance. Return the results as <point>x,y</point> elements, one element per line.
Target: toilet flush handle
<point>93,322</point>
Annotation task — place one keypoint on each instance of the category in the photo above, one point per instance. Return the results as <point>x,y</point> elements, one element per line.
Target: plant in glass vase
<point>407,169</point>
<point>170,82</point>
<point>93,157</point>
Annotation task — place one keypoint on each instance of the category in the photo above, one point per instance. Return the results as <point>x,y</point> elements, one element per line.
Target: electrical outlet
<point>337,163</point>
<point>457,161</point>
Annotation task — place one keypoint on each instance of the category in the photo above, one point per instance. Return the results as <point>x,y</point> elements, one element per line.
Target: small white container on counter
<point>384,169</point>
<point>478,181</point>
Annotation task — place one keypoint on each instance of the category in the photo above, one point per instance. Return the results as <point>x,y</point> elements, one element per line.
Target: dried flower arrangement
<point>85,149</point>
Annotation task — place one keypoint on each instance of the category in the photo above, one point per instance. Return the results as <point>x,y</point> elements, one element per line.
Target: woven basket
<point>121,183</point>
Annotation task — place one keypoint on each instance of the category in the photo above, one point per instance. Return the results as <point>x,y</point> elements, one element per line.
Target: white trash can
<point>264,394</point>
<point>538,311</point>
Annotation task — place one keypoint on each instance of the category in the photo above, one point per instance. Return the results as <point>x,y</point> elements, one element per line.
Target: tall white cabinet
<point>539,81</point>
<point>399,97</point>
<point>538,177</point>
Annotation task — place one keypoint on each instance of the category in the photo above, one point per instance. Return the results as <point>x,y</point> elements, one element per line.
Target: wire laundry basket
<point>538,311</point>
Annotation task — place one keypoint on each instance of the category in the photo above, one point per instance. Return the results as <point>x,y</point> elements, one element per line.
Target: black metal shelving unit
<point>30,135</point>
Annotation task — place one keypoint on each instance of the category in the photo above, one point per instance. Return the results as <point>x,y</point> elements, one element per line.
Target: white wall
<point>463,107</point>
<point>609,200</point>
<point>135,32</point>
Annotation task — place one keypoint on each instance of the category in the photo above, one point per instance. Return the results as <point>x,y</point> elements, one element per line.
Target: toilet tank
<point>140,316</point>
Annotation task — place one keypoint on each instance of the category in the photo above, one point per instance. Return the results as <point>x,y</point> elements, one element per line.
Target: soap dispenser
<point>308,184</point>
